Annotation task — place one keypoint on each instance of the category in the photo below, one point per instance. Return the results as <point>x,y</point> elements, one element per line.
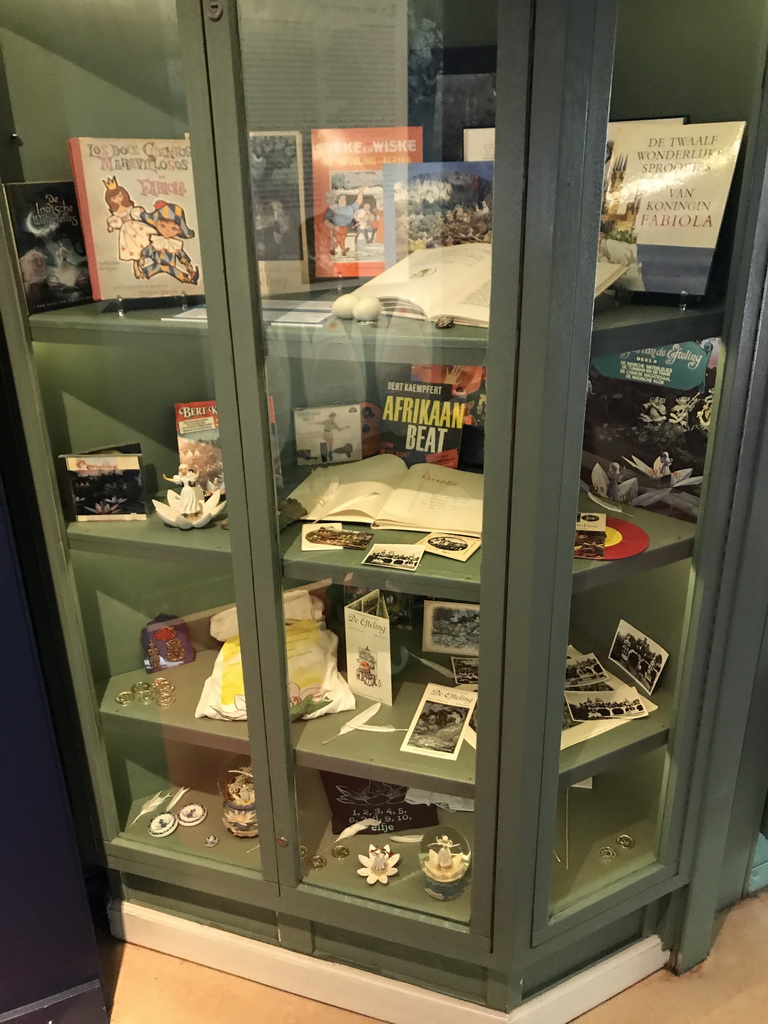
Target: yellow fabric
<point>232,683</point>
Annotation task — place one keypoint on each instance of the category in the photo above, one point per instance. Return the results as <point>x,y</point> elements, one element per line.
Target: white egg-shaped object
<point>344,307</point>
<point>367,308</point>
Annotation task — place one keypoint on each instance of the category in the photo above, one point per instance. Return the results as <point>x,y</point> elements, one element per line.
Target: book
<point>647,425</point>
<point>386,493</point>
<point>666,186</point>
<point>348,195</point>
<point>276,165</point>
<point>49,244</point>
<point>366,630</point>
<point>436,204</point>
<point>449,281</point>
<point>422,422</point>
<point>330,433</point>
<point>137,203</point>
<point>106,483</point>
<point>197,434</point>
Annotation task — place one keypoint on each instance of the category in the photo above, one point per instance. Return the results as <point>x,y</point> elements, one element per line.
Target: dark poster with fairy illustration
<point>647,426</point>
<point>351,800</point>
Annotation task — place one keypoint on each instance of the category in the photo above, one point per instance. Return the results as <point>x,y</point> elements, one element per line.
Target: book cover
<point>277,187</point>
<point>427,206</point>
<point>366,629</point>
<point>329,433</point>
<point>469,382</point>
<point>137,203</point>
<point>647,425</point>
<point>197,434</point>
<point>107,483</point>
<point>666,187</point>
<point>422,422</point>
<point>49,244</point>
<point>348,195</point>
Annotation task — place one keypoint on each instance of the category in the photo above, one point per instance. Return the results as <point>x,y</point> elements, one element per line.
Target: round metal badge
<point>141,687</point>
<point>163,824</point>
<point>164,700</point>
<point>625,840</point>
<point>317,862</point>
<point>606,853</point>
<point>340,852</point>
<point>192,814</point>
<point>211,841</point>
<point>303,852</point>
<point>125,697</point>
<point>146,697</point>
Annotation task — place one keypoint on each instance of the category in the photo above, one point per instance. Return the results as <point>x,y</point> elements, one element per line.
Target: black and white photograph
<point>451,628</point>
<point>466,671</point>
<point>319,536</point>
<point>439,725</point>
<point>622,702</point>
<point>582,671</point>
<point>450,545</point>
<point>328,435</point>
<point>395,556</point>
<point>639,656</point>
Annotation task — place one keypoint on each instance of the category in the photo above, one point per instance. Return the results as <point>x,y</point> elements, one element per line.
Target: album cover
<point>590,535</point>
<point>107,484</point>
<point>197,437</point>
<point>328,434</point>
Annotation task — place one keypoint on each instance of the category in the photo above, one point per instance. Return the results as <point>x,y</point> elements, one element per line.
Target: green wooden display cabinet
<point>545,900</point>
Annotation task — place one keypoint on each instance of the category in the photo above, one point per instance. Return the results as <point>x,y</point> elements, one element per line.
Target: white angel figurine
<point>191,498</point>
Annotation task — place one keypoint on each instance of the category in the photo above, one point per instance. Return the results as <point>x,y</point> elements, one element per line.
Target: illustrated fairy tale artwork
<point>648,421</point>
<point>137,202</point>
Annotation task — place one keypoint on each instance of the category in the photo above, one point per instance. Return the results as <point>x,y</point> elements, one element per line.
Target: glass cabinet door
<point>653,449</point>
<point>141,436</point>
<point>367,131</point>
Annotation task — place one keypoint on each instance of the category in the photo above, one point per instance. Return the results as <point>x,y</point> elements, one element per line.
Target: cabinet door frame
<point>234,210</point>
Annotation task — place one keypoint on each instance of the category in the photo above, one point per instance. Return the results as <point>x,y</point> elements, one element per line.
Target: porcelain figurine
<point>190,508</point>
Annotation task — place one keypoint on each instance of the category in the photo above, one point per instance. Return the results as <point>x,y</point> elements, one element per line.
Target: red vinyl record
<point>623,539</point>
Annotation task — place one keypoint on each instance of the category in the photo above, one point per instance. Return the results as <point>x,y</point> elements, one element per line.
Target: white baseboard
<point>385,1000</point>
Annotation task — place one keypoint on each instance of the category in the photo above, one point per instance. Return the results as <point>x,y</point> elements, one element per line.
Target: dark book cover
<point>422,421</point>
<point>49,244</point>
<point>647,426</point>
<point>106,483</point>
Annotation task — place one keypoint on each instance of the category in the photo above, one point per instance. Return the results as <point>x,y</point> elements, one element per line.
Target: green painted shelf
<point>149,538</point>
<point>89,324</point>
<point>621,328</point>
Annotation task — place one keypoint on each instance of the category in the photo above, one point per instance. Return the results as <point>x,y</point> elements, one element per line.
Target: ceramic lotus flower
<point>171,513</point>
<point>379,865</point>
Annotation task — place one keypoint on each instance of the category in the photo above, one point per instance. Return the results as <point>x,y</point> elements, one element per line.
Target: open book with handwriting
<point>384,492</point>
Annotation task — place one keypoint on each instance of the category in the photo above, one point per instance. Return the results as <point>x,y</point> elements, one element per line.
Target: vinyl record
<point>623,539</point>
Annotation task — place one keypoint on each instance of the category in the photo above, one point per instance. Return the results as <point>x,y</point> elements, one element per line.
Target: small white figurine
<point>379,865</point>
<point>191,508</point>
<point>191,498</point>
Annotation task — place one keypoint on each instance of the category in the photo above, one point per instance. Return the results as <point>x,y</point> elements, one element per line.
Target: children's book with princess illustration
<point>139,219</point>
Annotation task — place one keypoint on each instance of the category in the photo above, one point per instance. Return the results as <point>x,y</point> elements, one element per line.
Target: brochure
<point>440,722</point>
<point>366,626</point>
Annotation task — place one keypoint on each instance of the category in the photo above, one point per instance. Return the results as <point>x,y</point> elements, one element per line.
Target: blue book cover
<point>427,206</point>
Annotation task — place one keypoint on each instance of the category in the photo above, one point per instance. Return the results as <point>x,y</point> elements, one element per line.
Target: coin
<point>606,853</point>
<point>164,700</point>
<point>146,697</point>
<point>125,697</point>
<point>140,687</point>
<point>317,862</point>
<point>303,852</point>
<point>340,852</point>
<point>625,840</point>
<point>211,841</point>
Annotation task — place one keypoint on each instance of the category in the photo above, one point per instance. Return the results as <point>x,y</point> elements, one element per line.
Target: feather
<point>352,830</point>
<point>405,839</point>
<point>379,728</point>
<point>433,664</point>
<point>151,804</point>
<point>612,506</point>
<point>179,794</point>
<point>356,722</point>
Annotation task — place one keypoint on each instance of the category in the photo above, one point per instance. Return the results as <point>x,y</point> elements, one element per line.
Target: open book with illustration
<point>386,493</point>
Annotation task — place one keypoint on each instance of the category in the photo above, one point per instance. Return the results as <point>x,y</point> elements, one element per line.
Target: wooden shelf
<point>150,538</point>
<point>405,889</point>
<point>435,577</point>
<point>189,839</point>
<point>670,540</point>
<point>178,721</point>
<point>625,327</point>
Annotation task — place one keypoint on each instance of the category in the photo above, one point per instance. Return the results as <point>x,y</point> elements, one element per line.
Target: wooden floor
<point>731,986</point>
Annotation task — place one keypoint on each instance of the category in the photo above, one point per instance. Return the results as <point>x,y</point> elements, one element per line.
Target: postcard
<point>590,535</point>
<point>450,545</point>
<point>451,628</point>
<point>640,657</point>
<point>466,671</point>
<point>621,702</point>
<point>583,671</point>
<point>440,722</point>
<point>329,434</point>
<point>369,667</point>
<point>395,556</point>
<point>321,536</point>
